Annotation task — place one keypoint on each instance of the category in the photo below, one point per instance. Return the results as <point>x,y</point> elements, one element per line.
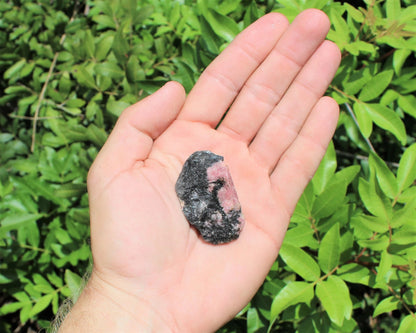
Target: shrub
<point>69,69</point>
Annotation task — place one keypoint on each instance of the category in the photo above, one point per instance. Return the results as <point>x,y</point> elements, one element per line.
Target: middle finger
<point>264,89</point>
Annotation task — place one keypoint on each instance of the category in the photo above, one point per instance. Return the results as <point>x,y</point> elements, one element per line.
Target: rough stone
<point>209,199</point>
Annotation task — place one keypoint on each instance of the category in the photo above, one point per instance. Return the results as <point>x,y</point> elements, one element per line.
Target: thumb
<point>132,137</point>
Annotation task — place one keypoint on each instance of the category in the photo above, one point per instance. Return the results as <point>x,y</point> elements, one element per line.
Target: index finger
<point>220,83</point>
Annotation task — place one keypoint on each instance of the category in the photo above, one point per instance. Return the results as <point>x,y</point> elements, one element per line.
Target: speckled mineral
<point>209,199</point>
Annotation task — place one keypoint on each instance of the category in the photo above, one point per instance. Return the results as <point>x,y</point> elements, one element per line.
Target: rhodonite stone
<point>209,199</point>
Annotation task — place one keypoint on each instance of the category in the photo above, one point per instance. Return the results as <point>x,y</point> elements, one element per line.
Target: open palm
<point>270,80</point>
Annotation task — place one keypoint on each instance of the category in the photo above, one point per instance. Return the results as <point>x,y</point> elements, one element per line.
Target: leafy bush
<point>69,69</point>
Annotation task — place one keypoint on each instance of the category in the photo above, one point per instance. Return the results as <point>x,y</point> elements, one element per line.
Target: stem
<point>363,158</point>
<point>41,97</point>
<point>33,248</point>
<point>45,85</point>
<point>401,301</point>
<point>32,118</point>
<point>315,229</point>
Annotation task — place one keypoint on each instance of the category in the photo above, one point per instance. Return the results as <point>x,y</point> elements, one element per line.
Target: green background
<point>69,68</point>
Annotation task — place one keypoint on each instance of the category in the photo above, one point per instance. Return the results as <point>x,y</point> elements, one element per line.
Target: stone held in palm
<point>208,198</point>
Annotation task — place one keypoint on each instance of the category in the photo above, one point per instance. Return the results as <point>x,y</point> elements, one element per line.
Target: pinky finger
<point>298,164</point>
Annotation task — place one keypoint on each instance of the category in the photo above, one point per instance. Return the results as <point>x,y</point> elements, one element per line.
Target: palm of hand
<point>141,241</point>
<point>165,252</point>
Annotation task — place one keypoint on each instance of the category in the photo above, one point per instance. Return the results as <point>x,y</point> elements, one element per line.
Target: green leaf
<point>408,104</point>
<point>7,277</point>
<point>325,170</point>
<point>89,44</point>
<point>399,57</point>
<point>109,69</point>
<point>329,200</point>
<point>372,200</point>
<point>408,13</point>
<point>252,14</point>
<point>75,103</point>
<point>406,173</point>
<point>65,84</point>
<point>387,119</point>
<point>22,297</point>
<point>13,70</point>
<point>208,37</point>
<point>142,14</point>
<point>300,262</point>
<point>70,190</point>
<point>375,87</point>
<point>300,236</point>
<point>364,120</point>
<point>120,46</point>
<point>386,305</point>
<point>407,195</point>
<point>329,249</point>
<point>385,177</point>
<point>41,304</point>
<point>25,313</point>
<point>354,273</point>
<point>103,47</point>
<point>55,303</point>
<point>27,69</point>
<point>104,82</point>
<point>104,21</point>
<point>355,48</point>
<point>73,281</point>
<point>55,280</point>
<point>72,132</point>
<point>41,284</point>
<point>373,223</point>
<point>184,74</point>
<point>293,293</point>
<point>222,25</point>
<point>384,270</point>
<point>342,31</point>
<point>389,97</point>
<point>406,214</point>
<point>393,9</point>
<point>84,77</point>
<point>10,307</point>
<point>39,188</point>
<point>408,325</point>
<point>96,135</point>
<point>254,323</point>
<point>132,69</point>
<point>335,298</point>
<point>16,221</point>
<point>333,195</point>
<point>354,13</point>
<point>405,236</point>
<point>378,244</point>
<point>116,107</point>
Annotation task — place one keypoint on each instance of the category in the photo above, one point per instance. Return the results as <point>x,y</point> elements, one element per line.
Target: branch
<point>45,85</point>
<point>363,158</point>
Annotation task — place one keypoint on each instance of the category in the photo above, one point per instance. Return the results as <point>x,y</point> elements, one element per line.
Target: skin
<point>152,272</point>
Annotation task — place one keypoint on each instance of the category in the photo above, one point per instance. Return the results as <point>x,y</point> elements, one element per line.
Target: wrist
<point>105,308</point>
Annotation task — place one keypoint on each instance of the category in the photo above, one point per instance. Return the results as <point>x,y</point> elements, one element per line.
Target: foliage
<point>69,68</point>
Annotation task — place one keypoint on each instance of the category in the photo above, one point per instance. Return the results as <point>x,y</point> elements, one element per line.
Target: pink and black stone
<point>209,199</point>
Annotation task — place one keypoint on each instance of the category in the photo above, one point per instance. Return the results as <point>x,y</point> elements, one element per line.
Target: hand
<point>146,255</point>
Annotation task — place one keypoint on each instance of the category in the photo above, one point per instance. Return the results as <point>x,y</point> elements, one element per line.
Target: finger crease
<point>286,122</point>
<point>248,52</point>
<point>309,88</point>
<point>264,93</point>
<point>224,80</point>
<point>288,58</point>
